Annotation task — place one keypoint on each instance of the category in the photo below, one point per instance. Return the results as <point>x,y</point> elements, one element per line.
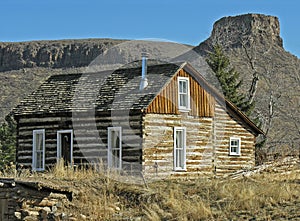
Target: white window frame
<point>183,148</point>
<point>187,94</point>
<point>58,154</point>
<point>34,150</point>
<point>238,146</point>
<point>109,144</point>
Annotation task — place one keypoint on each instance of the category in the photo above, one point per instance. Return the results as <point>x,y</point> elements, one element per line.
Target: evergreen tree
<point>7,142</point>
<point>229,79</point>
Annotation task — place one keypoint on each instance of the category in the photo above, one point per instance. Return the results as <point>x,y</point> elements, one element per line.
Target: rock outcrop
<point>236,31</point>
<point>54,54</point>
<point>254,46</point>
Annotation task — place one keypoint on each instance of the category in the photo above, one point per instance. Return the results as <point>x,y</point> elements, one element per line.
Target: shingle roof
<point>107,90</point>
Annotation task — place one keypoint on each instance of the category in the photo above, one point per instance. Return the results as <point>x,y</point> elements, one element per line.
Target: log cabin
<point>161,120</point>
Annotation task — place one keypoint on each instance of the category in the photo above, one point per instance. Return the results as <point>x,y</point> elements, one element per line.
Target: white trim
<point>109,145</point>
<point>176,168</point>
<point>34,133</point>
<point>238,152</point>
<point>184,108</point>
<point>58,154</point>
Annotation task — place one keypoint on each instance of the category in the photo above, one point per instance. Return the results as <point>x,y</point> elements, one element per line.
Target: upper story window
<point>183,93</point>
<point>38,152</point>
<point>235,146</point>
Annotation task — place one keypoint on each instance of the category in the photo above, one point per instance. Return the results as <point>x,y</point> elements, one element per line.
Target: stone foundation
<point>32,201</point>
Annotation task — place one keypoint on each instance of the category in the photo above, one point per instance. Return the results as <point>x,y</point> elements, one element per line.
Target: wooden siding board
<point>202,103</point>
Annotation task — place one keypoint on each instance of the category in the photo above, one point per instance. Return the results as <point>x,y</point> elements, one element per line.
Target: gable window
<point>38,152</point>
<point>179,148</point>
<point>183,93</point>
<point>115,147</point>
<point>235,146</point>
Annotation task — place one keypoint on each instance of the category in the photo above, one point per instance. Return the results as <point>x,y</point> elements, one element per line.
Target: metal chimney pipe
<point>144,80</point>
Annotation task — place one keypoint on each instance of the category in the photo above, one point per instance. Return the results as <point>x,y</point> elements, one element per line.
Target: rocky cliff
<point>54,54</point>
<point>270,74</point>
<point>249,29</point>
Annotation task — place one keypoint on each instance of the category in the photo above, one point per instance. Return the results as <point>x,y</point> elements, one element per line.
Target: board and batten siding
<point>158,146</point>
<point>201,102</point>
<point>226,126</point>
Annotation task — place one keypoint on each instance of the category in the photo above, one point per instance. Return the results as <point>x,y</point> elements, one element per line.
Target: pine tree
<point>7,142</point>
<point>229,79</point>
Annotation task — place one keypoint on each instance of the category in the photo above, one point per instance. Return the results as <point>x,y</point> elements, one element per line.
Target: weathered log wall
<point>226,126</point>
<point>90,137</point>
<point>25,137</point>
<point>158,146</point>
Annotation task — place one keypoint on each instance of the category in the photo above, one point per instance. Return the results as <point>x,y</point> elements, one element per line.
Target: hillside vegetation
<point>270,192</point>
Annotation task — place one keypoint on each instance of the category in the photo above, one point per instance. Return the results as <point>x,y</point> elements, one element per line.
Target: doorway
<point>65,146</point>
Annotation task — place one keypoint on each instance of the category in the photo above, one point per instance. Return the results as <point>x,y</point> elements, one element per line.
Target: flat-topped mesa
<point>248,29</point>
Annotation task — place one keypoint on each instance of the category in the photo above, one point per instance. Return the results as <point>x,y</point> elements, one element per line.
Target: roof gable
<point>228,105</point>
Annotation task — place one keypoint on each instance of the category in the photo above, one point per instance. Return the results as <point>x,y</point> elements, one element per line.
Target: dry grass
<point>99,196</point>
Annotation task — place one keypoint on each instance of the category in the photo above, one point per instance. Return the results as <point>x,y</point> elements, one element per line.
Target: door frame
<point>59,149</point>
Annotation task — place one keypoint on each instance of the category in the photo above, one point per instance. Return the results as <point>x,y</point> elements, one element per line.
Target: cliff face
<point>255,48</point>
<point>54,54</point>
<point>249,29</point>
<point>251,41</point>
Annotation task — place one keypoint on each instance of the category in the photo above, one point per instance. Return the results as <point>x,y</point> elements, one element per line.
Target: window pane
<point>179,142</point>
<point>39,160</point>
<point>179,158</point>
<point>183,100</point>
<point>182,86</point>
<point>115,157</point>
<point>234,142</point>
<point>115,142</point>
<point>233,149</point>
<point>39,141</point>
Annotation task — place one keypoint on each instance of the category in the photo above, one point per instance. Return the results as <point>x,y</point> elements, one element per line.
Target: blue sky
<point>188,21</point>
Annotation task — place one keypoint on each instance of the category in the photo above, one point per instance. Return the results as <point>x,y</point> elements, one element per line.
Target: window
<point>179,148</point>
<point>38,153</point>
<point>115,147</point>
<point>235,146</point>
<point>183,93</point>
